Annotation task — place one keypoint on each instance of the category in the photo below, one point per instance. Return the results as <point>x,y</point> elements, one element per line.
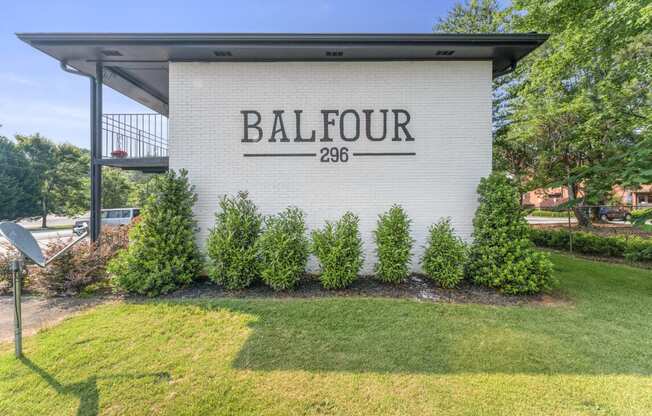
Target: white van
<point>110,217</point>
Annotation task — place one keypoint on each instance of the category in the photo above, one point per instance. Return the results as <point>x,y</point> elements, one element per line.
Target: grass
<point>356,356</point>
<point>550,214</point>
<point>645,227</point>
<point>55,227</point>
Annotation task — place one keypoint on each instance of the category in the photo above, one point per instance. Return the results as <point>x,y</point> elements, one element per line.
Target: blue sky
<point>37,96</point>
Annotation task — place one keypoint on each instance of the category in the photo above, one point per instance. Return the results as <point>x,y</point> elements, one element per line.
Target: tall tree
<point>62,174</point>
<point>18,186</point>
<point>117,186</point>
<point>472,16</point>
<point>583,97</point>
<point>143,187</point>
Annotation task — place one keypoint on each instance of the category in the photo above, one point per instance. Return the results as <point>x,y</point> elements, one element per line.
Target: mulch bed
<point>416,287</point>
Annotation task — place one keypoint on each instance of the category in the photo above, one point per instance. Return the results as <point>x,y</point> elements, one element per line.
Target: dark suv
<point>615,213</point>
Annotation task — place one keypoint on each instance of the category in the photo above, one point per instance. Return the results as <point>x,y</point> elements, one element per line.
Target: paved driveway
<point>547,220</point>
<point>39,313</point>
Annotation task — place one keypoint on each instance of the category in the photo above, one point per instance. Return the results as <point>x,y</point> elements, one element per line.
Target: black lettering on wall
<point>402,126</point>
<point>328,122</point>
<point>368,125</point>
<point>357,126</point>
<point>298,138</point>
<point>248,125</point>
<point>278,121</point>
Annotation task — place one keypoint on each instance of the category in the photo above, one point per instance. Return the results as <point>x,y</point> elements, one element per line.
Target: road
<point>548,220</point>
<point>51,234</point>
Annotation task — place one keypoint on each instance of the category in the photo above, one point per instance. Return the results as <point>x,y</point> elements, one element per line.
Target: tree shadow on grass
<point>86,390</point>
<point>385,336</point>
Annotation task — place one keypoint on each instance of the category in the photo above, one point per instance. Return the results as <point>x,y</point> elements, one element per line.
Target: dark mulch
<point>416,287</point>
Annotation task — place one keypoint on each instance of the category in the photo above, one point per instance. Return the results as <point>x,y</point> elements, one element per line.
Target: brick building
<point>552,197</point>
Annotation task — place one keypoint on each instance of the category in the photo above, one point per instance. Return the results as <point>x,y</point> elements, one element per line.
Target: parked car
<point>615,213</point>
<point>110,217</point>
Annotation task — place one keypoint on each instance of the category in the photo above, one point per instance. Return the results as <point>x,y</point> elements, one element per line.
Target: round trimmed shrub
<point>338,248</point>
<point>502,255</point>
<point>162,253</point>
<point>7,253</point>
<point>393,245</point>
<point>231,243</point>
<point>283,249</point>
<point>444,255</point>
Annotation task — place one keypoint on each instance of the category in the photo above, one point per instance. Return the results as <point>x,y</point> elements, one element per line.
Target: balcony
<point>135,142</point>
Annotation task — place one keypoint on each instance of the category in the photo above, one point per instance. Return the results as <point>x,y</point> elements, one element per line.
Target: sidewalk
<point>38,312</point>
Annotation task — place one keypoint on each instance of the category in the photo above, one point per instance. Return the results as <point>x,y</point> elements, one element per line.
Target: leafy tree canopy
<point>117,186</point>
<point>472,16</point>
<point>576,112</point>
<point>18,184</point>
<point>583,98</point>
<point>61,172</point>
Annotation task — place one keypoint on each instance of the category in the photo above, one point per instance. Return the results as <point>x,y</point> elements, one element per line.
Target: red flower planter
<point>119,153</point>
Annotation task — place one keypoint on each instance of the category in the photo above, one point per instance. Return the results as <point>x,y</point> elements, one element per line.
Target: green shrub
<point>231,243</point>
<point>502,255</point>
<point>393,245</point>
<point>638,249</point>
<point>162,253</point>
<point>338,248</point>
<point>632,248</point>
<point>81,266</point>
<point>7,253</point>
<point>283,249</point>
<point>444,256</point>
<point>639,217</point>
<point>604,246</point>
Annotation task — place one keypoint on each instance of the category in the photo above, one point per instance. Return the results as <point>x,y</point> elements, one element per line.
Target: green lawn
<point>349,356</point>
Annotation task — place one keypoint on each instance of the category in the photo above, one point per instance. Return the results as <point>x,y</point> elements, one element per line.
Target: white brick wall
<point>450,108</point>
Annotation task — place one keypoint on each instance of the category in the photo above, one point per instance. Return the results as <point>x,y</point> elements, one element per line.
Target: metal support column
<point>17,270</point>
<point>96,153</point>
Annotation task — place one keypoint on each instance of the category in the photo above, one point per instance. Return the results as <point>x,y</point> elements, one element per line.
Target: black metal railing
<point>134,136</point>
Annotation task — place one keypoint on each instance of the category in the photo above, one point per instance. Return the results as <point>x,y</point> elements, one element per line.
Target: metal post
<point>96,145</point>
<point>570,232</point>
<point>17,268</point>
<point>96,153</point>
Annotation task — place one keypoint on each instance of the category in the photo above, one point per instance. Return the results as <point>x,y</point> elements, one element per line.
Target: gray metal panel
<point>141,69</point>
<point>145,164</point>
<point>23,240</point>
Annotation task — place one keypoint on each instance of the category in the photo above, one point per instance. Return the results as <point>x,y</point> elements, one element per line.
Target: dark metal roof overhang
<point>136,64</point>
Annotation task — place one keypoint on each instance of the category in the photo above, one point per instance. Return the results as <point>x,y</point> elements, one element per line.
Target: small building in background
<point>551,198</point>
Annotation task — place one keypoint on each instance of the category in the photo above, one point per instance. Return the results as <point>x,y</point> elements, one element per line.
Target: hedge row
<point>632,248</point>
<point>244,245</point>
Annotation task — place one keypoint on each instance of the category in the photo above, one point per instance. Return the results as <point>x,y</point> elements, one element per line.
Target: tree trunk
<point>583,218</point>
<point>44,213</point>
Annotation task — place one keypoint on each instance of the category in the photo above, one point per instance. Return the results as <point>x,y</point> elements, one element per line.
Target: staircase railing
<point>134,136</point>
